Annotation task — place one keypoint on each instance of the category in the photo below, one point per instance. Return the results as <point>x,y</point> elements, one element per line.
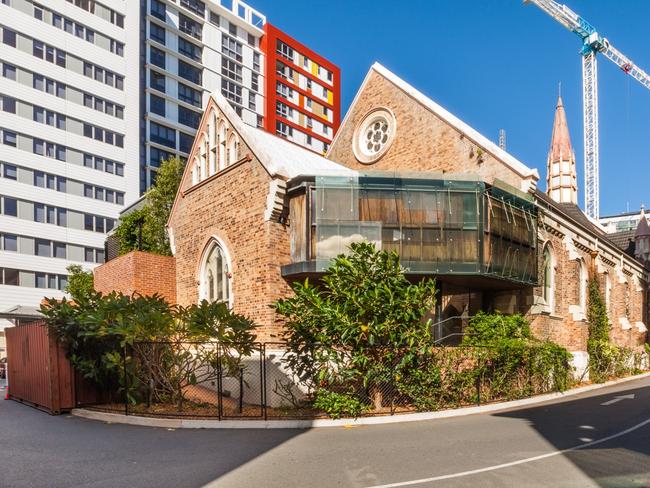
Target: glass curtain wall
<point>437,226</point>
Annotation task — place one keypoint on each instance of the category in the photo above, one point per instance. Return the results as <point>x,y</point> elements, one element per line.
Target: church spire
<point>561,182</point>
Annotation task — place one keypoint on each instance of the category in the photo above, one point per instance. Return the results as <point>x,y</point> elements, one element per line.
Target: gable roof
<point>471,133</point>
<point>279,156</point>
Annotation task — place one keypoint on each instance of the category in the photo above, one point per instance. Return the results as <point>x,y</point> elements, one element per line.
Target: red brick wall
<point>230,206</point>
<point>138,272</point>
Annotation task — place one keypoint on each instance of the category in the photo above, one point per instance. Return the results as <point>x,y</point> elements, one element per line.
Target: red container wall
<point>38,371</point>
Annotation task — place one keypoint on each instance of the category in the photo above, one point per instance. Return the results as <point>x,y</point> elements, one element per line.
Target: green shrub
<point>363,324</point>
<point>487,329</point>
<point>338,405</point>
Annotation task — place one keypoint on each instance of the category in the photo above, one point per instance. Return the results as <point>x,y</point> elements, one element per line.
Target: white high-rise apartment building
<point>93,95</point>
<point>65,166</point>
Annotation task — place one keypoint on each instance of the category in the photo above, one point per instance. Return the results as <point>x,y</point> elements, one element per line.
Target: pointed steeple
<point>561,163</point>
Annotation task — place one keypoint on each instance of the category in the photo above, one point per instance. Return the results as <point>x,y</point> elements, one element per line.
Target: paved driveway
<point>558,444</point>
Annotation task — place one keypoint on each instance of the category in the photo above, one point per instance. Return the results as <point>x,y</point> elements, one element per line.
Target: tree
<point>364,324</point>
<point>80,283</point>
<point>153,216</point>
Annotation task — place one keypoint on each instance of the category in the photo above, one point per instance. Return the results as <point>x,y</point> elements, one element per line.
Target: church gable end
<point>420,139</point>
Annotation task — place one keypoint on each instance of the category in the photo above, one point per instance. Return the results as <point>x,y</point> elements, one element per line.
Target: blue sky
<point>496,64</point>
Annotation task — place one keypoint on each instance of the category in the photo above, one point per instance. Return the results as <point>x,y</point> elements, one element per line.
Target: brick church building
<point>255,212</point>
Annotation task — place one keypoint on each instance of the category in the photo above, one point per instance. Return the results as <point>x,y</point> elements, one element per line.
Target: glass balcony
<point>438,226</point>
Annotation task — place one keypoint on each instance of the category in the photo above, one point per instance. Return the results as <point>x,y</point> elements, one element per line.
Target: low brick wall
<point>140,272</point>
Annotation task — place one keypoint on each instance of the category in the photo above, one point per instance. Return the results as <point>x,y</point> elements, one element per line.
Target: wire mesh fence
<point>213,380</point>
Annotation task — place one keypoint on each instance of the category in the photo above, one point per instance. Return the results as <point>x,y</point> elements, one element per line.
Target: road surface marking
<point>618,399</point>
<point>513,463</point>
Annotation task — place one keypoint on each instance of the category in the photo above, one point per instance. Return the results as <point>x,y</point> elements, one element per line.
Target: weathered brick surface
<point>423,141</point>
<point>138,272</point>
<point>230,206</point>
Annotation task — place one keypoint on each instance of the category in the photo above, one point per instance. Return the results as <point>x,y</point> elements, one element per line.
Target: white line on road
<point>618,399</point>
<point>514,463</point>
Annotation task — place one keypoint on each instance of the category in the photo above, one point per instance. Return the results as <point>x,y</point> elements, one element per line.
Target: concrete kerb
<point>308,424</point>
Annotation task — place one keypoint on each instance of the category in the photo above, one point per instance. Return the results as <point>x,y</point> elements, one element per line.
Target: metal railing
<point>253,381</point>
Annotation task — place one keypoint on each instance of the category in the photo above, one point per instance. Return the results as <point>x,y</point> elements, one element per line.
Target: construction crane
<point>592,43</point>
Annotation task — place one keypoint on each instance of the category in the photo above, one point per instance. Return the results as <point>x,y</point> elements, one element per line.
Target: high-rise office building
<point>94,94</point>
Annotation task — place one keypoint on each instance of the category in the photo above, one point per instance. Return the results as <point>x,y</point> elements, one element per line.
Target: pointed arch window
<point>583,281</point>
<point>549,279</point>
<point>215,276</point>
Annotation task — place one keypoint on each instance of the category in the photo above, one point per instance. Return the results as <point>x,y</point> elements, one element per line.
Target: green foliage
<point>154,214</point>
<point>80,282</point>
<point>360,341</point>
<point>487,329</point>
<point>338,405</point>
<point>106,334</point>
<point>364,320</point>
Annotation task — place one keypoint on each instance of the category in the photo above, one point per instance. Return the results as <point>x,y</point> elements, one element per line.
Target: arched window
<point>221,142</point>
<point>232,155</point>
<point>608,291</point>
<point>549,279</point>
<point>583,281</point>
<point>195,172</point>
<point>215,281</point>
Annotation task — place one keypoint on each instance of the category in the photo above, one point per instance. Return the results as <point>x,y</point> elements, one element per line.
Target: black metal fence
<point>212,380</point>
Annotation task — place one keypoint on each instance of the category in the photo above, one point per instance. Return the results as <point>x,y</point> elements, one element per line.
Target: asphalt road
<point>574,443</point>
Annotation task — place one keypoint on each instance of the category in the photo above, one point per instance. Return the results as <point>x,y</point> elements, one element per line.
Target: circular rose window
<point>373,135</point>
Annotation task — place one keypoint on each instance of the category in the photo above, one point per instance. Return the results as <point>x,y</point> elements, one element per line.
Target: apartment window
<point>158,9</point>
<point>256,61</point>
<point>61,184</point>
<point>283,129</point>
<point>252,41</point>
<point>260,122</point>
<point>231,91</point>
<point>157,33</point>
<point>117,48</point>
<point>231,69</point>
<point>39,179</point>
<point>195,6</point>
<point>9,104</point>
<point>185,142</point>
<point>188,117</point>
<point>326,112</point>
<point>189,49</point>
<point>43,248</point>
<point>232,29</point>
<point>157,81</point>
<point>9,138</point>
<point>157,57</point>
<point>10,242</point>
<point>309,140</point>
<point>88,191</point>
<point>189,72</point>
<point>231,48</point>
<point>89,254</point>
<point>330,76</point>
<point>214,18</point>
<point>283,90</point>
<point>162,135</point>
<point>284,50</point>
<point>251,100</point>
<point>8,37</point>
<point>189,95</point>
<point>11,277</point>
<point>99,193</point>
<point>310,123</point>
<point>37,49</point>
<point>38,12</point>
<point>156,156</point>
<point>188,26</point>
<point>282,109</point>
<point>10,206</point>
<point>89,222</point>
<point>9,71</point>
<point>9,171</point>
<point>157,104</point>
